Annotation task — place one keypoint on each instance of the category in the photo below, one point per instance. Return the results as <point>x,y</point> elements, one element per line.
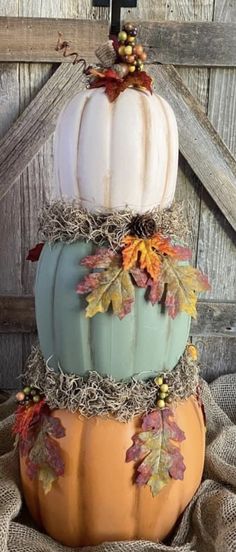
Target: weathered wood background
<point>213,237</point>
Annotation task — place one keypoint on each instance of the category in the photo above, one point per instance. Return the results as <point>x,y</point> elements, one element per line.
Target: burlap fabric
<point>207,525</point>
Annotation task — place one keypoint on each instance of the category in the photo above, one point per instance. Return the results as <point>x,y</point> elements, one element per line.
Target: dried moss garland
<point>69,222</point>
<point>96,395</point>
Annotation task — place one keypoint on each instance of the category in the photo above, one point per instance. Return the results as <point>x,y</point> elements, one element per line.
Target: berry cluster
<point>131,54</point>
<point>28,395</point>
<point>164,398</point>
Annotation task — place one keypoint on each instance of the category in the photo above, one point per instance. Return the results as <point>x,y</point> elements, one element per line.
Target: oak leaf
<point>147,252</point>
<point>183,283</point>
<point>160,457</point>
<point>110,287</point>
<point>37,432</point>
<point>114,85</point>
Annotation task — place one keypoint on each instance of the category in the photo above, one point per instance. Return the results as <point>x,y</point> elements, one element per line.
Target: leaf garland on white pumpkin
<point>160,457</point>
<point>153,263</point>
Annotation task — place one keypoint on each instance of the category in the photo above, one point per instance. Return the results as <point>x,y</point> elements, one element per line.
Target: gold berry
<point>192,351</point>
<point>122,36</point>
<point>162,395</point>
<point>164,388</point>
<point>131,39</point>
<point>132,68</point>
<point>140,68</point>
<point>121,50</point>
<point>161,403</point>
<point>158,380</point>
<point>27,390</point>
<point>128,50</point>
<point>36,398</point>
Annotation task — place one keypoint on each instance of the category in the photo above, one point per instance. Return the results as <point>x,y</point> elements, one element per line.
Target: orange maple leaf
<point>146,252</point>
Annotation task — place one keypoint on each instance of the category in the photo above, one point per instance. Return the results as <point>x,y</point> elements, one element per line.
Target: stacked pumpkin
<point>115,168</point>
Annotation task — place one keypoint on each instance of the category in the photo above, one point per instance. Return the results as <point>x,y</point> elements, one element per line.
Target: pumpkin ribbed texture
<point>116,155</point>
<point>96,500</point>
<point>145,342</point>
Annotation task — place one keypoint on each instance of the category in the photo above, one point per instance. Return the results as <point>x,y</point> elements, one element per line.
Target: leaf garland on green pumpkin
<point>112,287</point>
<point>36,430</point>
<point>160,458</point>
<point>151,263</point>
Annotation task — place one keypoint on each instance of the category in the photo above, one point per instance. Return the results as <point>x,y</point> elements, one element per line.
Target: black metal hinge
<point>115,6</point>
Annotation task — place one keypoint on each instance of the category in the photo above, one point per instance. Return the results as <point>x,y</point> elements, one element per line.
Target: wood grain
<point>17,315</point>
<point>219,258</point>
<point>201,44</point>
<point>200,144</point>
<point>36,124</point>
<point>35,39</point>
<point>19,84</point>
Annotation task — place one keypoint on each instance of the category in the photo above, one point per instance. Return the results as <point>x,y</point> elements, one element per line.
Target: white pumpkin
<point>116,155</point>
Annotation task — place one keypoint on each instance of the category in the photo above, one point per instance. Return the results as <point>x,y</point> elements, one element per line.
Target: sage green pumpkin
<point>147,341</point>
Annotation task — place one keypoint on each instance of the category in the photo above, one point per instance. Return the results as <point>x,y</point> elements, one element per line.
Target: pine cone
<point>142,226</point>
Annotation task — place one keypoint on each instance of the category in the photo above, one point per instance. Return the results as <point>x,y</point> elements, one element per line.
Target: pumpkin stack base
<point>97,499</point>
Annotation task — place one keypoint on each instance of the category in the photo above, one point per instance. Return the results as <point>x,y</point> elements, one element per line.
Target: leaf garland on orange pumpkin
<point>151,263</point>
<point>36,431</point>
<point>161,459</point>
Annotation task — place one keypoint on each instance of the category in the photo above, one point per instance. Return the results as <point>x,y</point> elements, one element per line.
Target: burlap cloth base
<point>207,525</point>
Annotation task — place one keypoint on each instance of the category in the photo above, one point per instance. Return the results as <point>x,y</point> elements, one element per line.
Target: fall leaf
<point>183,282</point>
<point>112,286</point>
<point>114,85</point>
<point>156,290</point>
<point>47,476</point>
<point>147,252</point>
<point>34,253</point>
<point>160,458</point>
<point>37,430</point>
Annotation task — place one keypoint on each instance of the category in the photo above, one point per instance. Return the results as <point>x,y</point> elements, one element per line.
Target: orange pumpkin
<point>97,500</point>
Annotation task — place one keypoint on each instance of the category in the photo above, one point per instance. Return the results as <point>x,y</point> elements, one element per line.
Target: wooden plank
<point>201,44</point>
<point>200,144</point>
<point>17,315</point>
<point>10,215</point>
<point>35,39</point>
<point>219,258</point>
<point>217,356</point>
<point>36,124</point>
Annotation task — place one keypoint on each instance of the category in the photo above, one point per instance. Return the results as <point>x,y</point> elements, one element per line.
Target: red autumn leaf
<point>182,253</point>
<point>26,417</point>
<point>35,428</point>
<point>34,253</point>
<point>101,259</point>
<point>115,85</point>
<point>140,277</point>
<point>52,453</point>
<point>156,290</point>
